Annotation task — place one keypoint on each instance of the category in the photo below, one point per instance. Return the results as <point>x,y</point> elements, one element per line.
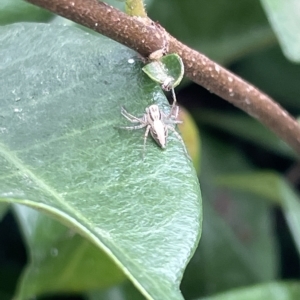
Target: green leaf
<point>247,128</point>
<point>264,184</point>
<point>272,187</point>
<point>61,93</point>
<point>167,70</point>
<point>234,221</point>
<point>12,11</point>
<point>284,18</point>
<point>61,260</point>
<point>282,86</point>
<point>273,290</point>
<point>223,30</point>
<point>124,291</point>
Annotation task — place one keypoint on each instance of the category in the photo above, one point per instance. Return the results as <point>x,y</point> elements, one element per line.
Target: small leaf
<point>167,70</point>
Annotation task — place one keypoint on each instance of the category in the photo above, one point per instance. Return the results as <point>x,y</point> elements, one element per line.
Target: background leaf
<point>61,260</point>
<point>3,209</point>
<point>233,221</point>
<point>284,18</point>
<point>262,69</point>
<point>61,154</point>
<point>125,291</point>
<point>274,291</point>
<point>191,137</point>
<point>12,11</point>
<point>223,30</point>
<point>245,127</point>
<point>272,187</point>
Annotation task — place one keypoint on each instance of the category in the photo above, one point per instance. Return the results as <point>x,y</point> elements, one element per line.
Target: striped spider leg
<point>171,120</point>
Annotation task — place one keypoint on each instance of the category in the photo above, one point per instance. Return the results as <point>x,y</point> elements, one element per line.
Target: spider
<point>157,123</point>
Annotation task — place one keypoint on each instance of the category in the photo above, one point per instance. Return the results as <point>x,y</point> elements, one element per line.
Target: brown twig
<point>145,37</point>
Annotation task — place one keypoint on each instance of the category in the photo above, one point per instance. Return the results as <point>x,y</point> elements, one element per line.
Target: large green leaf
<point>284,18</point>
<point>223,30</point>
<point>61,92</point>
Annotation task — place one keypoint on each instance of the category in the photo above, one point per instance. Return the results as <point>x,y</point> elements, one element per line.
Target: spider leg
<point>129,116</point>
<point>132,127</point>
<point>172,122</point>
<point>174,108</point>
<point>145,139</point>
<point>174,96</point>
<point>171,119</point>
<point>174,111</point>
<point>131,119</point>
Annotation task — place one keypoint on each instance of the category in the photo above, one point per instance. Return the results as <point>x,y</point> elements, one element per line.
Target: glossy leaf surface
<point>62,90</point>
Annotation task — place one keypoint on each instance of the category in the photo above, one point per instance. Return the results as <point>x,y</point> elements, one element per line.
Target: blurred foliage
<point>249,178</point>
<point>223,30</point>
<point>284,18</point>
<point>12,11</point>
